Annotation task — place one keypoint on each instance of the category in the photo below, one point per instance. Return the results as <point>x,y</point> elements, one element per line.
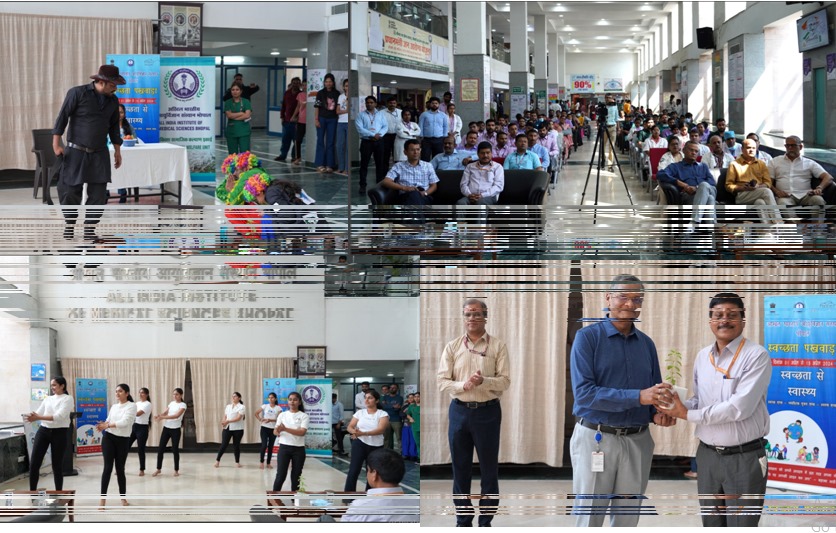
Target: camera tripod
<point>603,133</point>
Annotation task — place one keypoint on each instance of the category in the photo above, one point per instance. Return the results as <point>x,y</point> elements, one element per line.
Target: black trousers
<point>44,438</point>
<point>114,451</point>
<point>236,435</point>
<point>139,433</point>
<point>72,194</point>
<point>370,148</point>
<point>431,147</point>
<point>297,142</point>
<point>268,440</point>
<point>388,148</point>
<point>339,433</point>
<point>293,456</point>
<point>359,453</point>
<point>174,436</point>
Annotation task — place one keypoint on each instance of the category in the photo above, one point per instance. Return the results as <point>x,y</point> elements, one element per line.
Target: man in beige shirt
<point>749,180</point>
<point>474,372</point>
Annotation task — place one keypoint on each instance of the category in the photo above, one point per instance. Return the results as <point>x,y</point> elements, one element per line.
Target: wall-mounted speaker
<point>705,38</point>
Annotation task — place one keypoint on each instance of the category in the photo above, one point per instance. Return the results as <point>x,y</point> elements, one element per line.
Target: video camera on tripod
<point>601,111</point>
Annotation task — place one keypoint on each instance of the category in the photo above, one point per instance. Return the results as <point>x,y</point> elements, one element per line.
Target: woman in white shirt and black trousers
<point>139,432</point>
<point>54,414</point>
<point>291,428</point>
<point>233,424</point>
<point>116,441</point>
<point>366,429</point>
<point>267,415</point>
<point>171,431</point>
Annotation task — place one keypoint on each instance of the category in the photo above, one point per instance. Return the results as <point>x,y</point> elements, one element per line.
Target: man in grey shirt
<point>731,378</point>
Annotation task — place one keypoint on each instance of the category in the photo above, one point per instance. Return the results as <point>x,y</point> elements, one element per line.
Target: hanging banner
<point>831,66</point>
<point>798,333</point>
<point>613,85</point>
<point>316,396</point>
<point>181,29</point>
<point>91,402</point>
<point>281,387</point>
<point>393,40</point>
<point>807,69</point>
<point>141,93</point>
<point>582,83</point>
<point>187,111</point>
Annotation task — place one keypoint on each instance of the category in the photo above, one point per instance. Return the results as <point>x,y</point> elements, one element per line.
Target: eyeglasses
<point>637,300</point>
<point>474,315</point>
<point>793,145</point>
<point>719,315</point>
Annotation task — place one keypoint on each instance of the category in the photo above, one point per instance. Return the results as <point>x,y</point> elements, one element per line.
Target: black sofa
<point>522,187</point>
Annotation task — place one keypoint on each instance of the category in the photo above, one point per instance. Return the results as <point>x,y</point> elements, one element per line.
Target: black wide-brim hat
<point>109,73</point>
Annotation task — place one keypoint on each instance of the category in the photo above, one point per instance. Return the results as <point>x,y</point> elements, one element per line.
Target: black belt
<point>612,430</point>
<point>740,448</point>
<point>476,405</point>
<point>83,148</point>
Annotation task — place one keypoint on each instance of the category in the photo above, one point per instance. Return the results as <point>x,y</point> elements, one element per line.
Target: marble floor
<point>200,494</point>
<point>544,503</point>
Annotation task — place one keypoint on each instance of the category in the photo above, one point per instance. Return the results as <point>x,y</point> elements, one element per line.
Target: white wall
<point>14,369</point>
<point>617,65</point>
<point>295,16</point>
<point>372,328</point>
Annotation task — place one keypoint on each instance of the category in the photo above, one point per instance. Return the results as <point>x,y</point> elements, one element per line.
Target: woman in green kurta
<point>413,413</point>
<point>238,112</point>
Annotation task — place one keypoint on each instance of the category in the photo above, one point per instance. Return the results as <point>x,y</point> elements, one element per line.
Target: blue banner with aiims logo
<point>141,93</point>
<point>800,335</point>
<point>91,402</point>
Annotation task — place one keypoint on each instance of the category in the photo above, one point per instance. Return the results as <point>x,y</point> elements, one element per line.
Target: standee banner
<point>316,397</point>
<point>582,83</point>
<point>91,402</point>
<point>281,387</point>
<point>141,94</point>
<point>187,111</point>
<point>798,333</point>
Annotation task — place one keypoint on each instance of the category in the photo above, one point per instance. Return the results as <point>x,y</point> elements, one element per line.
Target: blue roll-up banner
<point>799,335</point>
<point>187,111</point>
<point>316,396</point>
<point>281,387</point>
<point>141,94</point>
<point>91,402</point>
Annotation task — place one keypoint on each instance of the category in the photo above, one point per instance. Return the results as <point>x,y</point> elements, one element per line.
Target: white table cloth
<point>153,164</point>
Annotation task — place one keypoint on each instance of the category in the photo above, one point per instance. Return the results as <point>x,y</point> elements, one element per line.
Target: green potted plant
<point>302,499</point>
<point>673,375</point>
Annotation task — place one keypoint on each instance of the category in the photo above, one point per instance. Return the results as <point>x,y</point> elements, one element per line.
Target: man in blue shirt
<point>371,125</point>
<point>617,383</point>
<point>612,120</point>
<point>450,159</point>
<point>538,149</point>
<point>434,126</point>
<point>337,425</point>
<point>414,179</point>
<point>695,183</point>
<point>392,403</point>
<point>522,158</point>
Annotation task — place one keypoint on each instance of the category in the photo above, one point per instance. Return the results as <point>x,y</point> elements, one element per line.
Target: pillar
<point>518,77</point>
<point>360,77</point>
<point>540,62</point>
<point>554,51</point>
<point>472,63</point>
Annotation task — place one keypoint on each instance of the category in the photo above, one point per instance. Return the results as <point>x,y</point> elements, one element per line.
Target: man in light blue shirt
<point>450,159</point>
<point>522,158</point>
<point>371,125</point>
<point>414,179</point>
<point>434,126</point>
<point>612,120</point>
<point>535,147</point>
<point>385,471</point>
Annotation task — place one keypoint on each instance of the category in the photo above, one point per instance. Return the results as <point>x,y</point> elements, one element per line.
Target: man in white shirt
<point>482,180</point>
<point>718,158</point>
<point>731,378</point>
<point>791,178</point>
<point>393,119</point>
<point>360,397</point>
<point>385,500</point>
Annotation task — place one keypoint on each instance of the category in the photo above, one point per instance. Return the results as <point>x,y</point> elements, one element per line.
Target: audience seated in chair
<point>748,178</point>
<point>695,184</point>
<point>792,176</point>
<point>415,180</point>
<point>483,180</point>
<point>450,158</point>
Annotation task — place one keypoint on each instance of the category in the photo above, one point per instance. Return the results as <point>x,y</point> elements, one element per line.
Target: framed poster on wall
<point>181,29</point>
<point>469,90</point>
<point>310,361</point>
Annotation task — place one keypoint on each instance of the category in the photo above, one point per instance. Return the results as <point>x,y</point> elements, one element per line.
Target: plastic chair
<point>44,158</point>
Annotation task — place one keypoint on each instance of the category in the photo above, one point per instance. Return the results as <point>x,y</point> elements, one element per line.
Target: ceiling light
<point>317,54</point>
<point>493,30</point>
<point>602,38</point>
<point>393,82</point>
<point>391,375</point>
<point>234,60</point>
<point>561,16</point>
<point>275,52</point>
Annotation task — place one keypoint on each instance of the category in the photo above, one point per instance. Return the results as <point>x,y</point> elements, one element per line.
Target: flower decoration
<point>229,164</point>
<point>256,184</point>
<point>247,161</point>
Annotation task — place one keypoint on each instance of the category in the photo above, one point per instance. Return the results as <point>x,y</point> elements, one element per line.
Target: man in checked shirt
<point>474,372</point>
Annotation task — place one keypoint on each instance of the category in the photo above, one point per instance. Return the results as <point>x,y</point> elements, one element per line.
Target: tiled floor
<point>200,494</point>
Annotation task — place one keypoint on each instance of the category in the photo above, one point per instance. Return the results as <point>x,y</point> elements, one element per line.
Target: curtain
<point>528,310</point>
<point>675,312</point>
<point>43,57</point>
<point>159,376</point>
<point>214,381</point>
